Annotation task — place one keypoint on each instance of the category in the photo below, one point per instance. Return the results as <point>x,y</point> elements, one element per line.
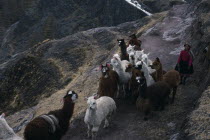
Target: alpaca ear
<point>158,59</point>
<point>2,115</point>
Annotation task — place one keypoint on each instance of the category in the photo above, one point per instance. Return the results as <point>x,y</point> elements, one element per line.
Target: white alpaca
<point>132,58</point>
<point>147,70</point>
<point>135,56</point>
<point>98,110</point>
<point>120,69</point>
<point>117,59</point>
<point>138,55</point>
<point>130,48</point>
<point>6,132</point>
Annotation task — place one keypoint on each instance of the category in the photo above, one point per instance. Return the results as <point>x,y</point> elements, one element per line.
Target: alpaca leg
<point>162,104</point>
<point>174,93</point>
<point>106,124</point>
<point>184,80</point>
<point>181,80</point>
<point>94,132</point>
<point>146,113</point>
<point>118,91</point>
<point>124,91</point>
<point>89,131</point>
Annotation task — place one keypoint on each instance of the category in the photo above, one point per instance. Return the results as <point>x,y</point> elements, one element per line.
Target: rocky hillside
<point>47,19</point>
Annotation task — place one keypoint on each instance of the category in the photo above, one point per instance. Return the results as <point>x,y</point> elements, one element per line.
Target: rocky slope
<point>72,62</point>
<point>47,19</point>
<point>197,126</point>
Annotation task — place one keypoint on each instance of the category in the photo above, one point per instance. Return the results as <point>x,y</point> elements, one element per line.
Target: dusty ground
<point>128,123</point>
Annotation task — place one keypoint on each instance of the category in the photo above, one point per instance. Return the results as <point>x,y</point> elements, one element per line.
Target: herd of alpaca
<point>131,74</point>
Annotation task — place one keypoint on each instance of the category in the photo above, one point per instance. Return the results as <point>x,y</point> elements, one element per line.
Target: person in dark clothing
<point>185,66</point>
<point>135,41</point>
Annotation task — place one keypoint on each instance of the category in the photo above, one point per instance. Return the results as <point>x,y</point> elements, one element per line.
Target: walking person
<point>185,64</point>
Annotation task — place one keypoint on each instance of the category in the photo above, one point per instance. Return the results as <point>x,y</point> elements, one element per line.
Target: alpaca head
<point>115,61</point>
<point>130,49</point>
<point>139,55</point>
<point>139,65</point>
<point>156,64</point>
<point>121,42</point>
<point>105,70</point>
<point>91,101</point>
<point>70,96</point>
<point>141,80</point>
<point>5,130</point>
<point>132,55</point>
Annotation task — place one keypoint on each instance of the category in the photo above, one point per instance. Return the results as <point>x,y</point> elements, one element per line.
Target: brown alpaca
<point>44,129</point>
<point>108,83</point>
<point>172,77</point>
<point>158,74</point>
<point>154,95</point>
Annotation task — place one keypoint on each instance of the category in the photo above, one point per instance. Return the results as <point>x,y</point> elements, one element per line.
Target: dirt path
<point>128,123</point>
<point>164,40</point>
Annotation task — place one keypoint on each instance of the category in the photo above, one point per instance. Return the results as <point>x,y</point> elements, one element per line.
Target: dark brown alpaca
<point>171,77</point>
<point>41,128</point>
<point>124,55</point>
<point>154,96</point>
<point>108,83</point>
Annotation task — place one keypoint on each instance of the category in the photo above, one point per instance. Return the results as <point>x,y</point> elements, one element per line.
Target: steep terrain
<point>72,61</point>
<point>47,19</point>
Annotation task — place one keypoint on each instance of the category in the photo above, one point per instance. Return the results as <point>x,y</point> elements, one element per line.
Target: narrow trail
<point>163,41</point>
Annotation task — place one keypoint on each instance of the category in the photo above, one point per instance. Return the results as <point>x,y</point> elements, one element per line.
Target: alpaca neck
<point>145,70</point>
<point>68,109</point>
<point>143,91</point>
<point>123,49</point>
<point>92,115</point>
<point>159,74</point>
<point>7,130</point>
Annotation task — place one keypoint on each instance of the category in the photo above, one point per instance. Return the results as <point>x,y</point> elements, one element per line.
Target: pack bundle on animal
<point>151,97</point>
<point>6,132</point>
<point>109,82</point>
<point>171,77</point>
<point>52,126</point>
<point>124,77</point>
<point>122,45</point>
<point>98,110</point>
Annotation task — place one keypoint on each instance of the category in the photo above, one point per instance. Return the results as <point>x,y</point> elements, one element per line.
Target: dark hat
<point>133,36</point>
<point>187,45</point>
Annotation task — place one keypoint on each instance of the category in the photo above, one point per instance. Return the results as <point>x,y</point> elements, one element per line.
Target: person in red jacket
<point>185,63</point>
